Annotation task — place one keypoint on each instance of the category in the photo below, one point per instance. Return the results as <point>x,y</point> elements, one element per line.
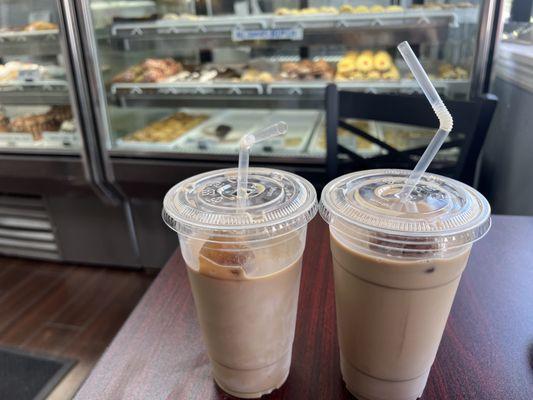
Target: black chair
<point>471,120</point>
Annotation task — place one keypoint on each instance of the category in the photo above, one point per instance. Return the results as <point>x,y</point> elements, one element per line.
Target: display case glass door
<point>187,79</point>
<point>36,91</point>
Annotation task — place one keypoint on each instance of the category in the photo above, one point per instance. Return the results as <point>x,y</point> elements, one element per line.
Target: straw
<point>245,144</point>
<point>444,116</point>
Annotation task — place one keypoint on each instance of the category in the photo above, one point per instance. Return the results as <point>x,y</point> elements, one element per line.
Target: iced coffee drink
<point>244,267</point>
<point>396,267</point>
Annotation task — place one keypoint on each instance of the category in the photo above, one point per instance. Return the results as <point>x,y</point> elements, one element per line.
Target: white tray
<point>301,125</point>
<point>60,139</point>
<point>348,141</point>
<point>138,145</point>
<point>16,139</point>
<point>241,122</point>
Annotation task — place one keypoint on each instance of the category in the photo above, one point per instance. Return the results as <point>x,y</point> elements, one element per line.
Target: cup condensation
<point>244,267</point>
<point>396,272</point>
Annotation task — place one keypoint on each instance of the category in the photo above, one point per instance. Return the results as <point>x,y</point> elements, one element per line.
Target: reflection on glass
<point>34,92</point>
<point>193,77</point>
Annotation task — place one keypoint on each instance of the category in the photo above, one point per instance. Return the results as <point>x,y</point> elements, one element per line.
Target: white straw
<point>444,116</point>
<point>245,144</point>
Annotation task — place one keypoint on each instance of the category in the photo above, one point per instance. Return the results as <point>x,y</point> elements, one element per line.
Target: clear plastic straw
<point>444,116</point>
<point>245,144</point>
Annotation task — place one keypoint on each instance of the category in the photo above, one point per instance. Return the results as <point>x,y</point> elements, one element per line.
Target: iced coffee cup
<point>244,265</point>
<point>397,266</point>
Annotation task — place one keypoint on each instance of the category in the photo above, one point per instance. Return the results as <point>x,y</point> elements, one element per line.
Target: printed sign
<point>13,139</point>
<point>241,35</point>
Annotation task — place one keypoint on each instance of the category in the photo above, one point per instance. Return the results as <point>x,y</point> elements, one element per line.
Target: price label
<point>64,138</point>
<point>241,35</point>
<point>30,75</point>
<point>14,139</point>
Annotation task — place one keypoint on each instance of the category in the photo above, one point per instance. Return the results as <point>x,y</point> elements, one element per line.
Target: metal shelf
<point>54,92</point>
<point>30,43</point>
<point>258,30</point>
<point>290,94</point>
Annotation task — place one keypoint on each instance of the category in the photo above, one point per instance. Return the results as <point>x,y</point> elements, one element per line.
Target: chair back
<point>471,121</point>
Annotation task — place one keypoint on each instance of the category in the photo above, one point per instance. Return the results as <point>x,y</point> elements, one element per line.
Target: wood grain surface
<point>486,351</point>
<point>68,311</point>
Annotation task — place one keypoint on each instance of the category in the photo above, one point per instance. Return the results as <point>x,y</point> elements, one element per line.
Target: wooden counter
<point>486,351</point>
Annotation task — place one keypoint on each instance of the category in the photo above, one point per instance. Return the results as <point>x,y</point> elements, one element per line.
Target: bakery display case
<point>52,180</point>
<point>175,84</point>
<point>185,80</point>
<point>35,90</point>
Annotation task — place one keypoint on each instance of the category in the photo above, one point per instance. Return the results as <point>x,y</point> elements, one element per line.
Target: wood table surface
<point>486,351</point>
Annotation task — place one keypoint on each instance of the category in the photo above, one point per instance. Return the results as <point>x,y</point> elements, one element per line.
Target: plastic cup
<point>244,266</point>
<point>396,274</point>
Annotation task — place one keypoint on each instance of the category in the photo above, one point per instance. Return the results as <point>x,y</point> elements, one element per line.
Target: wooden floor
<point>65,310</point>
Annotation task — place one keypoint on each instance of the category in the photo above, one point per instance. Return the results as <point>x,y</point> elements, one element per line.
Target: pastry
<point>253,75</point>
<point>265,77</point>
<point>4,123</point>
<point>449,74</point>
<point>444,68</point>
<point>167,129</point>
<point>382,61</point>
<point>310,10</point>
<point>352,55</point>
<point>433,6</point>
<point>307,70</point>
<point>150,70</point>
<point>461,73</point>
<point>464,4</point>
<point>290,68</point>
<point>320,67</point>
<point>292,141</point>
<point>346,9</point>
<point>282,11</point>
<point>377,9</point>
<point>40,26</point>
<point>373,75</point>
<point>393,8</point>
<point>360,10</point>
<point>357,76</point>
<point>328,10</point>
<point>346,65</point>
<point>365,61</point>
<point>393,74</point>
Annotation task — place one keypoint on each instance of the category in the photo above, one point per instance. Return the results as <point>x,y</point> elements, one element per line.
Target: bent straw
<point>444,116</point>
<point>245,144</point>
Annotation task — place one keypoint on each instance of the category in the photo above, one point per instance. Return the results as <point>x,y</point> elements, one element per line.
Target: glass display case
<point>36,92</point>
<point>185,80</point>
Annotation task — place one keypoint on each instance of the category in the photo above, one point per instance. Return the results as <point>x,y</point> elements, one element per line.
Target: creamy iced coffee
<point>244,266</point>
<point>396,271</point>
<point>248,318</point>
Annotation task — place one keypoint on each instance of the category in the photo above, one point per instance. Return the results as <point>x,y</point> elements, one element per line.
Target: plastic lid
<point>278,202</point>
<point>441,210</point>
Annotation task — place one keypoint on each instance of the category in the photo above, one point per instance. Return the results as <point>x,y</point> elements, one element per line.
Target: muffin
<point>365,61</point>
<point>373,75</point>
<point>346,9</point>
<point>382,61</point>
<point>392,74</point>
<point>360,10</point>
<point>393,8</point>
<point>377,9</point>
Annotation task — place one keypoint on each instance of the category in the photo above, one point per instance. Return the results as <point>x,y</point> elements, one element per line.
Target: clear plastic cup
<point>244,266</point>
<point>396,272</point>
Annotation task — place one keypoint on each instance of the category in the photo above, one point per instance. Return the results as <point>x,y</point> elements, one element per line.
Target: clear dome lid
<point>278,202</point>
<point>440,211</point>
